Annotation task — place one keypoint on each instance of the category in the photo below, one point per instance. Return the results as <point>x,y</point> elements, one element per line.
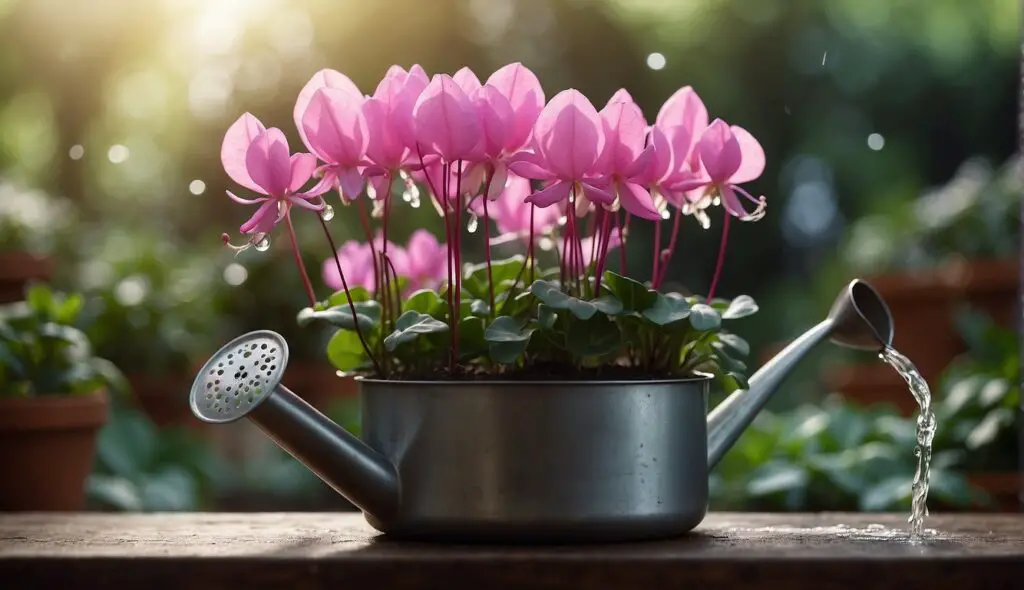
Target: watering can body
<point>530,461</point>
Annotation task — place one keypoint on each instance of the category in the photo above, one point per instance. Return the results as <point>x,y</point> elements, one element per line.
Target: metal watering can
<point>519,461</point>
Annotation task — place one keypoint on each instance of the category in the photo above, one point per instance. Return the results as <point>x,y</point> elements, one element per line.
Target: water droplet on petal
<point>472,224</point>
<point>327,213</point>
<point>716,201</point>
<point>262,244</point>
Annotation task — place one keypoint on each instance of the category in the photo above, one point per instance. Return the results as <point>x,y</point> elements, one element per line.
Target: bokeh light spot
<point>876,141</point>
<point>656,61</point>
<point>118,153</point>
<point>76,152</point>
<point>197,187</point>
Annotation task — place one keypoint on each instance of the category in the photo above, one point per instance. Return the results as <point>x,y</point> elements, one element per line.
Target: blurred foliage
<point>42,352</point>
<point>32,220</point>
<point>976,215</point>
<point>140,468</point>
<point>149,303</point>
<point>836,457</point>
<point>980,397</point>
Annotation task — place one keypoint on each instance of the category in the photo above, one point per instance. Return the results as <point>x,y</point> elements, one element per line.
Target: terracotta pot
<point>17,269</point>
<point>47,448</point>
<point>164,399</point>
<point>1005,489</point>
<point>924,306</point>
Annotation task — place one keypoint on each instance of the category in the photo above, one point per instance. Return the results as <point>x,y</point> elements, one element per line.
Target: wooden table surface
<point>338,550</point>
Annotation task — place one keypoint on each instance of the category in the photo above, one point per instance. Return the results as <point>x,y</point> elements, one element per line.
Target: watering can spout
<point>243,380</point>
<point>859,319</point>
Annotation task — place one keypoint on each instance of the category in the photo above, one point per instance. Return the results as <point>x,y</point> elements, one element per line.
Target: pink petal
<point>621,95</point>
<point>445,120</point>
<point>302,166</point>
<point>496,119</point>
<point>300,202</point>
<point>335,128</point>
<point>569,136</point>
<point>234,147</point>
<point>350,182</point>
<point>625,131</point>
<point>263,220</point>
<point>499,178</point>
<point>242,201</point>
<point>719,152</point>
<point>556,192</point>
<point>529,165</point>
<point>661,164</point>
<point>597,194</point>
<point>326,183</point>
<point>403,104</point>
<point>526,97</point>
<point>269,162</point>
<point>638,201</point>
<point>325,78</point>
<point>691,183</point>
<point>467,80</point>
<point>753,156</point>
<point>383,148</point>
<point>390,84</point>
<point>684,108</point>
<point>641,166</point>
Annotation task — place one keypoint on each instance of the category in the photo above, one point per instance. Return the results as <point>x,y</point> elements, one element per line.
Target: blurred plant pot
<point>47,448</point>
<point>164,398</point>
<point>1003,488</point>
<point>923,305</point>
<point>17,269</point>
<point>318,383</point>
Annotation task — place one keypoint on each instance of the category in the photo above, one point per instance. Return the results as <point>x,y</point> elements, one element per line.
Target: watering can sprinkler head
<point>860,318</point>
<point>243,380</point>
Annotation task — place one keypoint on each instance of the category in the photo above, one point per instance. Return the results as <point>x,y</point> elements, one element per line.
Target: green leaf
<point>479,307</point>
<point>546,317</point>
<point>735,342</point>
<point>112,491</point>
<point>667,310</point>
<point>345,351</point>
<point>607,304</point>
<point>338,298</point>
<point>67,311</point>
<point>704,318</point>
<point>410,326</point>
<point>733,381</point>
<point>368,313</point>
<point>596,336</point>
<point>40,298</point>
<point>507,339</point>
<point>633,295</point>
<point>740,307</point>
<point>888,494</point>
<point>471,337</point>
<point>776,476</point>
<point>424,301</point>
<point>503,272</point>
<point>584,310</point>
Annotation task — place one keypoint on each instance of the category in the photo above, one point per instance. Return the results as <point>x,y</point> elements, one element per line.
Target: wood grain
<point>325,550</point>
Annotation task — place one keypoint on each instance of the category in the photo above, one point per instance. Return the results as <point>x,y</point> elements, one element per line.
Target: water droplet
<point>262,244</point>
<point>665,214</point>
<point>716,201</point>
<point>327,213</point>
<point>472,224</point>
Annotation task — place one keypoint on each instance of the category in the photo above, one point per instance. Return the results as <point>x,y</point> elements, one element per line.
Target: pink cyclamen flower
<point>568,138</point>
<point>626,159</point>
<point>259,159</point>
<point>678,127</point>
<point>388,115</point>
<point>425,261</point>
<point>729,156</point>
<point>507,106</point>
<point>357,260</point>
<point>328,114</point>
<point>511,213</point>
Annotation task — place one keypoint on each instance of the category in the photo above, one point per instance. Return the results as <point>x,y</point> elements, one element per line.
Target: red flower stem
<point>446,172</point>
<point>721,258</point>
<point>622,245</point>
<point>298,257</point>
<point>348,297</point>
<point>606,230</point>
<point>364,219</point>
<point>457,230</point>
<point>487,240</point>
<point>388,311</point>
<point>529,249</point>
<point>671,248</point>
<point>657,252</point>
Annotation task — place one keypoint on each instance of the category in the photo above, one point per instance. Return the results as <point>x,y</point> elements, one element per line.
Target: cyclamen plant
<point>560,179</point>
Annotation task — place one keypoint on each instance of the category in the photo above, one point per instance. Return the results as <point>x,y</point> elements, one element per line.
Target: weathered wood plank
<point>324,550</point>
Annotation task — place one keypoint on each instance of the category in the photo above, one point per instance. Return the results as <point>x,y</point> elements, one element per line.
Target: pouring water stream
<point>925,433</point>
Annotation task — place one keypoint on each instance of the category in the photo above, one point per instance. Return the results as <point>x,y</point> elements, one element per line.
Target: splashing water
<point>925,434</point>
<point>327,213</point>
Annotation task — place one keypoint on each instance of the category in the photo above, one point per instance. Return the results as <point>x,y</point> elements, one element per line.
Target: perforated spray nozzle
<point>239,377</point>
